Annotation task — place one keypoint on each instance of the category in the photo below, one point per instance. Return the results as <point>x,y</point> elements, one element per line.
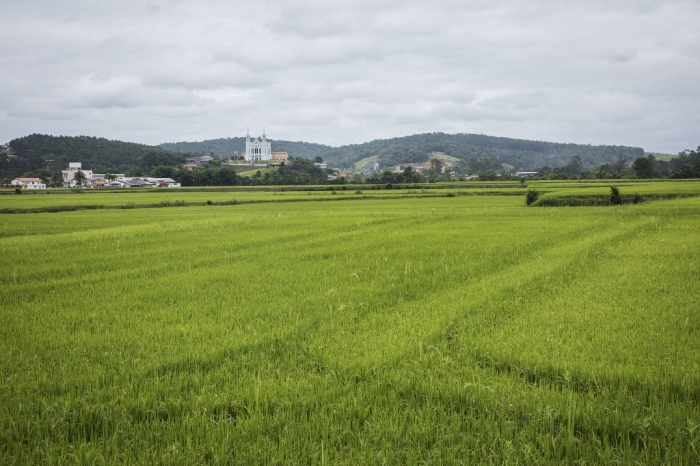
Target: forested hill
<point>100,155</point>
<point>516,152</point>
<point>225,148</point>
<point>417,148</point>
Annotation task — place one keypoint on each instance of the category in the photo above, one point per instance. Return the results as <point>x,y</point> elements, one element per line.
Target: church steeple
<point>257,148</point>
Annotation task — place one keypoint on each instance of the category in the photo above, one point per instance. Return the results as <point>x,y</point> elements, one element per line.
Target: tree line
<point>685,165</point>
<point>45,156</point>
<point>297,171</point>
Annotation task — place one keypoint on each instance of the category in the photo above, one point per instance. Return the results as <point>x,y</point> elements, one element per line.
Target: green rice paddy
<point>410,329</point>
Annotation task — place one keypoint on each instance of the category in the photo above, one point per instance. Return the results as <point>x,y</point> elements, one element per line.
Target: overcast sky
<point>339,72</point>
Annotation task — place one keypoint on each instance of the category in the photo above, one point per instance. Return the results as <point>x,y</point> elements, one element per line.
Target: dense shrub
<point>615,198</point>
<point>531,196</point>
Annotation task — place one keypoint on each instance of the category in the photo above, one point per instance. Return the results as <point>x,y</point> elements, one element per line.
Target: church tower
<point>258,149</point>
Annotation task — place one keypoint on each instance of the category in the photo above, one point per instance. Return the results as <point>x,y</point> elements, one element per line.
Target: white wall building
<point>73,168</point>
<point>28,183</point>
<point>257,149</point>
<point>164,182</point>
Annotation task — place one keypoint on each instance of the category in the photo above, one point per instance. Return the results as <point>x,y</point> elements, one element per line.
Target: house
<point>279,156</point>
<point>190,166</point>
<point>164,182</point>
<point>129,183</point>
<point>28,183</point>
<point>524,174</point>
<point>198,160</point>
<point>136,183</point>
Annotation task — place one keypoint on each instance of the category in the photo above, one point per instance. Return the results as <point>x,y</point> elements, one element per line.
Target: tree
<point>654,163</point>
<point>185,177</point>
<point>79,178</point>
<point>575,166</point>
<point>603,171</point>
<point>110,177</point>
<point>643,168</point>
<point>56,179</point>
<point>436,164</point>
<point>615,198</point>
<point>488,175</point>
<point>686,165</point>
<point>619,168</point>
<point>226,177</point>
<point>448,173</point>
<point>163,171</point>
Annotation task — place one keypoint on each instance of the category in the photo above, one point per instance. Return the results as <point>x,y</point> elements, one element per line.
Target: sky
<point>617,72</point>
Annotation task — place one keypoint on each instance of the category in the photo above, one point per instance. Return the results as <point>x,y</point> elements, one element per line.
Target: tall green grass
<point>404,331</point>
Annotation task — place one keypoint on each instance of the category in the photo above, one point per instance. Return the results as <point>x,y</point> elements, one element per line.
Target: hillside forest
<point>379,161</point>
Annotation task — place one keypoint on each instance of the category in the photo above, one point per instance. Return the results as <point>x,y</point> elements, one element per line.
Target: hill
<point>469,152</point>
<point>523,153</point>
<point>38,151</point>
<point>227,147</point>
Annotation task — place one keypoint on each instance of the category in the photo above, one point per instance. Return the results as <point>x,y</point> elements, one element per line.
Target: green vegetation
<point>531,196</point>
<point>226,148</point>
<point>615,198</point>
<point>489,157</point>
<point>590,193</point>
<point>406,330</point>
<point>418,147</point>
<point>46,155</point>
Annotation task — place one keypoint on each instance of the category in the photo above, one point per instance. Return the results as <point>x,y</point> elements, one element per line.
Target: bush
<point>18,191</point>
<point>555,201</point>
<point>531,196</point>
<point>615,198</point>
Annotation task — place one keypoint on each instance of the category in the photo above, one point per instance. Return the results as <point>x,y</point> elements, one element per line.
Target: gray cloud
<point>616,71</point>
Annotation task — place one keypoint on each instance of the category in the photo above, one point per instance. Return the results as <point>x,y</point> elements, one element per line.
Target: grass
<point>554,193</point>
<point>398,331</point>
<point>598,193</point>
<point>443,156</point>
<point>101,199</point>
<point>360,165</point>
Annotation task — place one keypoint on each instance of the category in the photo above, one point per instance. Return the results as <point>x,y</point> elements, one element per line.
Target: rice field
<point>651,189</point>
<point>38,201</point>
<point>96,199</point>
<point>407,330</point>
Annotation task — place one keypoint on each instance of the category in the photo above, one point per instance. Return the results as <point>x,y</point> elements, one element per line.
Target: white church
<point>260,150</point>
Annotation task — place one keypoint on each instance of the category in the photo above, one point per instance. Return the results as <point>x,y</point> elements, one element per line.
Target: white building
<point>73,168</point>
<point>164,182</point>
<point>28,183</point>
<point>257,149</point>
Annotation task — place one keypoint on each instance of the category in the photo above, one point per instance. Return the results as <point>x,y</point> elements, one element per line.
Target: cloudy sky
<point>340,72</point>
